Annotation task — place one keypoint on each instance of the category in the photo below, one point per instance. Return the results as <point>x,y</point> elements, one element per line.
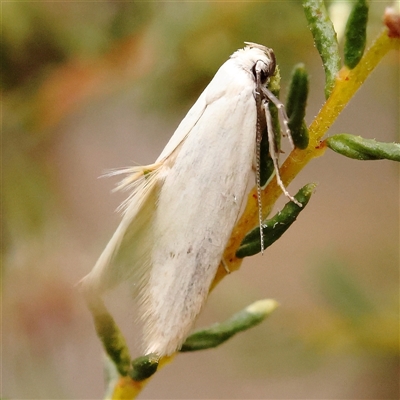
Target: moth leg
<point>274,152</point>
<point>282,113</point>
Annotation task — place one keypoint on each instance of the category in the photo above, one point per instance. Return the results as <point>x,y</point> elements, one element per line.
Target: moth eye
<point>263,72</point>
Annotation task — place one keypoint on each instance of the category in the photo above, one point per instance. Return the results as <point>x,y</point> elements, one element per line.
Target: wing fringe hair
<point>127,255</point>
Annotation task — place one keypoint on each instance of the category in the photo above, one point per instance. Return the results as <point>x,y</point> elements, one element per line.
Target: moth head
<point>262,70</point>
<point>264,62</point>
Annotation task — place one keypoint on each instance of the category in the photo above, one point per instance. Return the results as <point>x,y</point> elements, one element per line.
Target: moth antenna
<point>258,183</point>
<point>258,155</point>
<point>273,151</point>
<point>282,113</point>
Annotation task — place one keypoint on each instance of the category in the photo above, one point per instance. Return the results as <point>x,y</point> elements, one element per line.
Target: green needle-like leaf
<point>363,149</point>
<point>266,163</point>
<point>325,40</point>
<point>356,34</point>
<point>108,332</point>
<point>219,333</point>
<point>275,227</point>
<point>113,341</point>
<point>296,106</point>
<point>275,87</point>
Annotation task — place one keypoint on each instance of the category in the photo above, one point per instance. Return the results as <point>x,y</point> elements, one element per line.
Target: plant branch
<point>345,86</point>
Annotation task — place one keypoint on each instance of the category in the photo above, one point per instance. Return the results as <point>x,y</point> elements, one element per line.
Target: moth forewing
<point>184,128</point>
<point>200,202</point>
<point>197,209</point>
<point>178,221</point>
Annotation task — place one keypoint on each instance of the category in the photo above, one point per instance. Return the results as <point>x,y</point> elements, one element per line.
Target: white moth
<point>182,209</point>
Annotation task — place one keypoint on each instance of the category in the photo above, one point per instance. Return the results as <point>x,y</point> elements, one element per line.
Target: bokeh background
<point>90,86</point>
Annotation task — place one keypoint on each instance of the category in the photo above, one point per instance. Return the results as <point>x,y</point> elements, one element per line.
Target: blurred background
<point>90,86</point>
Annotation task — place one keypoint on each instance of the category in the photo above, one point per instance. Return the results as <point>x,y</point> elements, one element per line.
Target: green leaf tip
<point>262,308</point>
<point>325,40</point>
<point>218,333</point>
<point>275,227</point>
<point>296,106</point>
<point>144,367</point>
<point>358,148</point>
<point>274,83</point>
<point>356,34</point>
